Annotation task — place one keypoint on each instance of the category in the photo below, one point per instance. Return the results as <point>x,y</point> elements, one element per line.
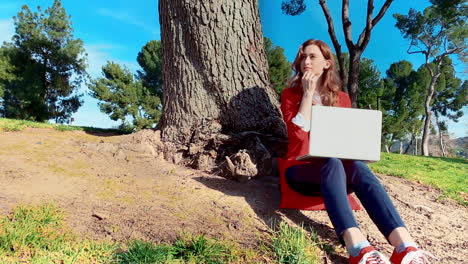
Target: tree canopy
<point>437,32</point>
<point>279,68</point>
<point>43,67</point>
<point>125,98</point>
<point>150,60</point>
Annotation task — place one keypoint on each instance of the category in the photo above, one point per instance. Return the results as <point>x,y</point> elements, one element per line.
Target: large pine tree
<point>48,64</point>
<point>219,106</point>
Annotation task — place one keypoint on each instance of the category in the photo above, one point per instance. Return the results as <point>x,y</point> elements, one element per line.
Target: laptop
<point>344,133</point>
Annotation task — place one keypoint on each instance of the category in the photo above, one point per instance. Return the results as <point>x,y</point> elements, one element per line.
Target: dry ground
<point>108,193</point>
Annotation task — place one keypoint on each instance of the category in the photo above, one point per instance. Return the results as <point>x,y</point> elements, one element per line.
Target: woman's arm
<point>298,137</point>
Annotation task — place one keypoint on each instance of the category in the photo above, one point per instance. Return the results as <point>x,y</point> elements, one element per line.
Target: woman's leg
<point>327,177</point>
<point>333,186</point>
<point>376,201</point>
<point>334,191</point>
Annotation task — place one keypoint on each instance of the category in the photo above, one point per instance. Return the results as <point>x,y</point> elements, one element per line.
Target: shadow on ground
<point>263,196</point>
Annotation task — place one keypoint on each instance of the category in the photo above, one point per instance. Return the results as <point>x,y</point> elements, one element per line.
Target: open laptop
<point>344,133</point>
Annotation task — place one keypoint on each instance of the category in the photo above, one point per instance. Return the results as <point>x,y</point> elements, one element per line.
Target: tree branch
<point>347,25</point>
<point>451,51</point>
<point>331,32</point>
<point>382,11</point>
<point>365,35</point>
<point>414,52</point>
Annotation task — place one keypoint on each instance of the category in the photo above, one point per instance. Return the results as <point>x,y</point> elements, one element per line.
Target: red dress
<point>298,146</point>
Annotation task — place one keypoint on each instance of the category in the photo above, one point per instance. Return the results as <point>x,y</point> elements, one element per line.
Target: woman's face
<point>313,60</point>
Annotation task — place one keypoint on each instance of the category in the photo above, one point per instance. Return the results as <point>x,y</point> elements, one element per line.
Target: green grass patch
<point>146,252</point>
<point>293,245</point>
<point>12,125</point>
<point>196,249</point>
<point>36,234</point>
<point>450,175</point>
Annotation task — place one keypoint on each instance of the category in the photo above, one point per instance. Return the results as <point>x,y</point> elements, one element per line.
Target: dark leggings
<point>333,179</point>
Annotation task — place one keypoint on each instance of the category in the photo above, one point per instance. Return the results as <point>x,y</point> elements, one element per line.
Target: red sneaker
<point>369,255</point>
<point>411,255</point>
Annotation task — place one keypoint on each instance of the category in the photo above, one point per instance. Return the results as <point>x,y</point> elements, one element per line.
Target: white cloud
<point>7,29</point>
<point>124,17</point>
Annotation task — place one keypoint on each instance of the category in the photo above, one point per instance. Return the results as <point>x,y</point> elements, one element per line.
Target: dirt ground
<point>111,193</point>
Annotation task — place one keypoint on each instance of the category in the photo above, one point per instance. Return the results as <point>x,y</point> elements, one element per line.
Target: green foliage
<point>150,60</point>
<point>440,28</point>
<point>123,96</point>
<point>291,245</point>
<point>402,102</point>
<point>6,70</point>
<point>293,7</point>
<point>279,67</point>
<point>450,97</point>
<point>446,174</point>
<point>437,32</point>
<point>370,87</point>
<point>41,70</point>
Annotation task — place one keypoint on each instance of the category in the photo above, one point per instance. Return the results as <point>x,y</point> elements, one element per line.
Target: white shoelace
<point>374,257</point>
<point>418,257</point>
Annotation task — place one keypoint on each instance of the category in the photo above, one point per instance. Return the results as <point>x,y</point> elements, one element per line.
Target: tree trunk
<point>219,104</point>
<point>416,146</point>
<point>441,140</point>
<point>353,80</point>
<point>427,118</point>
<point>410,144</point>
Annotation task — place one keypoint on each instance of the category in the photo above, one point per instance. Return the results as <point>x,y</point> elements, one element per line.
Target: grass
<point>293,246</point>
<point>450,175</point>
<point>12,125</point>
<point>37,235</point>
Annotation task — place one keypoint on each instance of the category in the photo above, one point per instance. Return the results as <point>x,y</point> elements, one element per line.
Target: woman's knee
<point>332,171</point>
<point>333,162</point>
<point>361,173</point>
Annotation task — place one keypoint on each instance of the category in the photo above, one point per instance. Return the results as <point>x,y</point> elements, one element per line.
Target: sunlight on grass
<point>450,175</point>
<point>293,246</point>
<point>36,234</point>
<point>12,125</point>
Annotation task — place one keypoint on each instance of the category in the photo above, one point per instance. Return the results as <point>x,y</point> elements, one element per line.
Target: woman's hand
<point>309,83</point>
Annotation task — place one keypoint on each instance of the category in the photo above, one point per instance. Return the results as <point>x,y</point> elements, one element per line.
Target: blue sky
<point>116,31</point>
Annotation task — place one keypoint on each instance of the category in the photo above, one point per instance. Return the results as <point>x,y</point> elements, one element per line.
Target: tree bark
<point>219,105</point>
<point>415,151</point>
<point>428,111</point>
<point>353,79</point>
<point>356,50</point>
<point>441,140</point>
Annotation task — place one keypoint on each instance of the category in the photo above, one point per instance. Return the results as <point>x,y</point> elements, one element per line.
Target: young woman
<point>316,81</point>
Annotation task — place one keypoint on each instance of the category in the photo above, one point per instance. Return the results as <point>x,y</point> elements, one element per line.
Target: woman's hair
<point>331,82</point>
